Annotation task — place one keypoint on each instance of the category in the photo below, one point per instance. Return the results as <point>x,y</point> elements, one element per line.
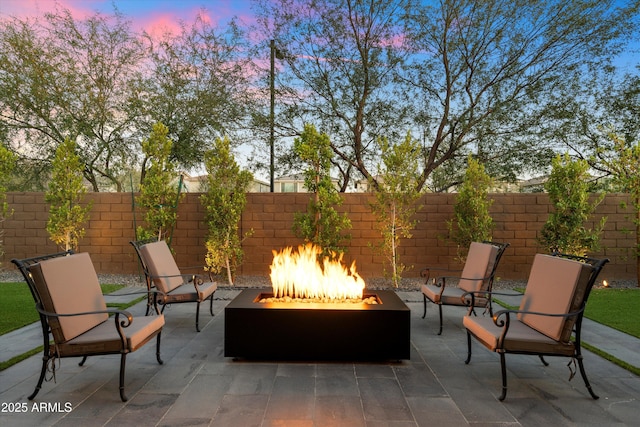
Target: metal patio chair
<point>162,272</point>
<point>478,275</point>
<point>72,310</point>
<point>549,319</point>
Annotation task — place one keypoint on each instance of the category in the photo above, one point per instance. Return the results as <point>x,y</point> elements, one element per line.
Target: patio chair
<point>477,275</point>
<point>549,319</point>
<point>162,272</point>
<point>72,309</point>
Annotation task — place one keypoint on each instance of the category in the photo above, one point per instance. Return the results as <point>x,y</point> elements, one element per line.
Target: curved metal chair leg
<point>123,359</point>
<point>84,359</point>
<point>211,305</point>
<point>440,313</point>
<point>198,316</point>
<point>584,378</point>
<point>544,362</point>
<point>160,361</point>
<point>43,372</point>
<point>148,304</point>
<point>466,362</point>
<point>503,367</point>
<point>424,302</point>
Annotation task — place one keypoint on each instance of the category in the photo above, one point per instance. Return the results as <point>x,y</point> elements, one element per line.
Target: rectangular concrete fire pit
<point>317,331</point>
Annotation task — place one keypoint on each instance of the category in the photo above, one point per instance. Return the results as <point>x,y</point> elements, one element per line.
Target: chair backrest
<point>24,264</point>
<point>67,285</point>
<point>160,265</point>
<point>482,259</point>
<point>556,285</point>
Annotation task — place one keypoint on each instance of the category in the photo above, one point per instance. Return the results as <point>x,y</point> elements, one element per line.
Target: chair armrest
<point>468,298</point>
<point>109,310</point>
<point>198,279</point>
<point>441,282</point>
<point>502,319</point>
<point>507,313</point>
<point>119,324</point>
<point>426,272</point>
<point>186,278</point>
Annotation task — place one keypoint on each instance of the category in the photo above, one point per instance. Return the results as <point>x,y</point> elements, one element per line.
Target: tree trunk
<point>229,275</point>
<point>394,243</point>
<point>227,261</point>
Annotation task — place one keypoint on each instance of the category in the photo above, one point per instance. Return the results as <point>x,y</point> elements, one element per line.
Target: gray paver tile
<point>435,385</point>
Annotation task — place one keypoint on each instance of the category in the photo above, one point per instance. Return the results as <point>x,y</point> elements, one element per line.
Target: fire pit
<point>376,329</point>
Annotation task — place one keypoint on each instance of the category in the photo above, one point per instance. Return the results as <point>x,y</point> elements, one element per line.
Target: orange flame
<point>300,275</point>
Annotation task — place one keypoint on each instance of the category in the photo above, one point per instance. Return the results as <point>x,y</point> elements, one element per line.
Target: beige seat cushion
<point>67,285</point>
<point>187,292</point>
<point>555,285</point>
<point>104,337</point>
<point>520,338</point>
<point>450,296</point>
<point>162,266</point>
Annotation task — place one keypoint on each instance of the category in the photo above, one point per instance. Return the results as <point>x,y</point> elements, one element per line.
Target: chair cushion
<point>480,261</point>
<point>105,338</point>
<point>450,296</point>
<point>520,337</point>
<point>69,284</point>
<point>555,285</point>
<point>161,265</point>
<point>187,292</point>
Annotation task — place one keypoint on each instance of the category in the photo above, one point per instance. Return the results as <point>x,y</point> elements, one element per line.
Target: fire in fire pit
<point>307,317</point>
<point>300,275</point>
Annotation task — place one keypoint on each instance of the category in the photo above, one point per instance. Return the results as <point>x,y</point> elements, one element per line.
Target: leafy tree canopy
<point>467,76</point>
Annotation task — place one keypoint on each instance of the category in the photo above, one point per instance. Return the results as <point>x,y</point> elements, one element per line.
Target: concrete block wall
<point>518,219</point>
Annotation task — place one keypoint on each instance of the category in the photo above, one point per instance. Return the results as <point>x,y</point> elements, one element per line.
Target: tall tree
<point>339,59</point>
<point>96,78</point>
<point>197,85</point>
<point>492,71</point>
<point>66,76</point>
<point>474,76</point>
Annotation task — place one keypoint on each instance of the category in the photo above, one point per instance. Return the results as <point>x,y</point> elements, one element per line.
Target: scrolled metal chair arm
<point>502,319</point>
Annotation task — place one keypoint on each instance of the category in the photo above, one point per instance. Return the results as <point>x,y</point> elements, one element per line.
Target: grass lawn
<point>17,308</point>
<point>617,308</point>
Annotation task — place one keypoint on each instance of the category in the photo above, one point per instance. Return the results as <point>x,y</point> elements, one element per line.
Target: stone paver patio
<point>198,386</point>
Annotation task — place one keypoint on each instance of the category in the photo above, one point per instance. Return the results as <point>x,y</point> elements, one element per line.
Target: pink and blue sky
<point>160,15</point>
<point>145,14</point>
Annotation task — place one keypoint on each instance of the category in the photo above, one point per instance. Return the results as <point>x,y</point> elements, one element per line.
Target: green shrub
<point>568,187</point>
<point>472,221</point>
